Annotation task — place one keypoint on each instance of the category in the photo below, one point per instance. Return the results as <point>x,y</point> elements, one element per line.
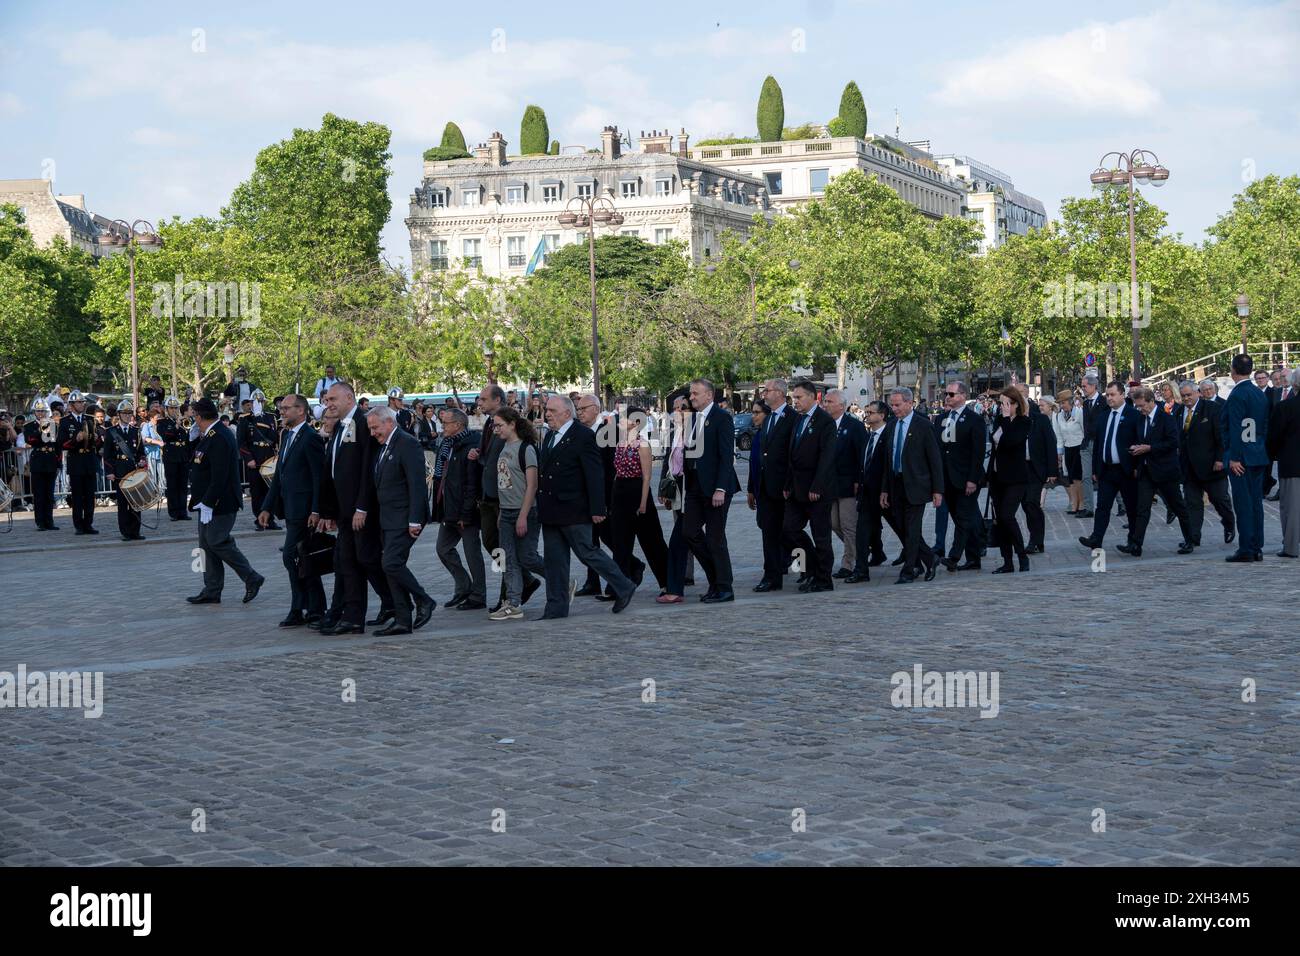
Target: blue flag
<point>538,254</point>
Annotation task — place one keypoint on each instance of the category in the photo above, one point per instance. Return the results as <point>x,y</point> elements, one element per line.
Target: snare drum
<point>267,470</point>
<point>140,490</point>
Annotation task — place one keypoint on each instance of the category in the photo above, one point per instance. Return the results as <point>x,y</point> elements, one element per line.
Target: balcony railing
<point>438,262</point>
<point>472,262</point>
<point>514,261</point>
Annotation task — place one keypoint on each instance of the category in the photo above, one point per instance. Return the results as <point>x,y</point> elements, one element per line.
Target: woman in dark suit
<point>1009,475</point>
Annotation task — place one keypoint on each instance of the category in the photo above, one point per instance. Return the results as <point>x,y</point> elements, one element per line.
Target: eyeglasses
<point>951,394</point>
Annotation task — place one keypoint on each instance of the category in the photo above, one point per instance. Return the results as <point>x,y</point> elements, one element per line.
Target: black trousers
<point>308,594</point>
<point>177,474</point>
<point>81,497</point>
<point>405,588</point>
<point>1146,494</point>
<point>128,519</point>
<point>906,520</point>
<point>627,527</point>
<point>358,566</point>
<point>1006,499</point>
<point>770,514</point>
<point>1217,489</point>
<point>870,527</point>
<point>257,489</point>
<point>43,497</point>
<point>1035,520</point>
<point>1112,482</point>
<point>705,530</point>
<point>964,510</point>
<point>820,556</point>
<point>603,534</point>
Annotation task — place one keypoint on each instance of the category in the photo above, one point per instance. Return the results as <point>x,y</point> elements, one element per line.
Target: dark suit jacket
<point>872,479</point>
<point>295,489</point>
<point>922,463</point>
<point>850,443</point>
<point>963,457</point>
<point>1284,437</point>
<point>214,475</point>
<point>1160,464</point>
<point>812,456</point>
<point>462,482</point>
<point>1042,446</point>
<point>1245,402</point>
<point>773,454</point>
<point>570,478</point>
<point>1201,445</point>
<point>1009,465</point>
<point>1091,409</point>
<point>351,485</point>
<point>402,495</point>
<point>715,466</point>
<point>1126,435</point>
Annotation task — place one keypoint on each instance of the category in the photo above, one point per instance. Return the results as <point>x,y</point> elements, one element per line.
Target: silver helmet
<point>396,392</point>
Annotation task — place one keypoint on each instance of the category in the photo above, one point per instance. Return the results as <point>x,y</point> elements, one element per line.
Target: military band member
<point>153,394</point>
<point>240,389</point>
<point>81,442</point>
<point>123,454</point>
<point>405,420</point>
<point>175,459</point>
<point>258,439</point>
<point>41,436</point>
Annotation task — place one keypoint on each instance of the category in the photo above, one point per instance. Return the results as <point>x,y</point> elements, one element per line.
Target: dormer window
<point>585,190</point>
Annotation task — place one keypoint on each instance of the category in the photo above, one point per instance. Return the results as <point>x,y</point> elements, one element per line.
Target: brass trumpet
<point>187,422</point>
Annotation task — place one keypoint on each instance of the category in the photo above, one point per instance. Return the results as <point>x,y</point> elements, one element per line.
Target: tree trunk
<point>1028,371</point>
<point>877,382</point>
<point>841,369</point>
<point>1110,358</point>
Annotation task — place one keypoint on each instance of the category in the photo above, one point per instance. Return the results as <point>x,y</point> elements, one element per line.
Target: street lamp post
<point>489,353</point>
<point>1138,166</point>
<point>1243,310</point>
<point>593,210</point>
<point>132,241</point>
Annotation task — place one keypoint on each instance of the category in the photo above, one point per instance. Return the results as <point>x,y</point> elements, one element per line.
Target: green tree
<point>534,134</point>
<point>555,147</point>
<point>646,267</point>
<point>771,111</point>
<point>453,138</point>
<point>853,111</point>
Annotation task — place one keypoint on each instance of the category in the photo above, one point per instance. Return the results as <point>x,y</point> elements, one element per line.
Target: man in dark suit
<point>403,502</point>
<point>1043,470</point>
<point>605,428</point>
<point>294,495</point>
<point>769,488</point>
<point>81,443</point>
<point>871,549</point>
<point>1093,404</point>
<point>809,487</point>
<point>215,493</point>
<point>123,454</point>
<point>1284,447</point>
<point>456,512</point>
<point>962,440</point>
<point>850,443</point>
<point>1264,382</point>
<point>1155,462</point>
<point>347,502</point>
<point>913,478</point>
<point>1112,464</point>
<point>1200,456</point>
<point>1245,430</point>
<point>710,482</point>
<point>570,499</point>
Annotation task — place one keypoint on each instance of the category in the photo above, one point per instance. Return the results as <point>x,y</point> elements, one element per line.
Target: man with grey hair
<point>913,471</point>
<point>850,444</point>
<point>1200,456</point>
<point>1284,446</point>
<point>456,511</point>
<point>1092,403</point>
<point>710,468</point>
<point>1209,390</point>
<point>767,482</point>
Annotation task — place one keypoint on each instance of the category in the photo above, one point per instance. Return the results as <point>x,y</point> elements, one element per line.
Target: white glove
<point>205,514</point>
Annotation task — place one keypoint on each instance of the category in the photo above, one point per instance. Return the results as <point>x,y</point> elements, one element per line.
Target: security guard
<point>41,436</point>
<point>404,418</point>
<point>123,454</point>
<point>258,439</point>
<point>81,442</point>
<point>175,459</point>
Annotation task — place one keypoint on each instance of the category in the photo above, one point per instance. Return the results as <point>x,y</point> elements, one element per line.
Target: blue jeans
<point>1248,503</point>
<point>521,553</point>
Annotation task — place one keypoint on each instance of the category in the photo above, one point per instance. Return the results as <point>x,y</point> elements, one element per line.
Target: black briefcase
<point>315,555</point>
<point>992,537</point>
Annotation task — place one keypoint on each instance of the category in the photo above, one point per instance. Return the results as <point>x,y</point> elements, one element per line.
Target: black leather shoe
<point>204,599</point>
<point>342,627</point>
<point>897,561</point>
<point>1186,548</point>
<point>91,531</point>
<point>1024,562</point>
<point>719,597</point>
<point>1084,514</point>
<point>804,578</point>
<point>930,570</point>
<point>251,589</point>
<point>1240,557</point>
<point>1129,549</point>
<point>607,597</point>
<point>456,601</point>
<point>52,527</point>
<point>384,615</point>
<point>392,628</point>
<point>949,564</point>
<point>806,586</point>
<point>708,595</point>
<point>293,620</point>
<point>969,566</point>
<point>689,582</point>
<point>1034,549</point>
<point>842,573</point>
<point>1004,569</point>
<point>638,575</point>
<point>819,586</point>
<point>1229,535</point>
<point>624,601</point>
<point>1259,555</point>
<point>877,561</point>
<point>424,611</point>
<point>905,579</point>
<point>530,588</point>
<point>765,585</point>
<point>472,606</point>
<point>315,623</point>
<point>548,616</point>
<point>587,590</point>
<point>1283,554</point>
<point>1088,543</point>
<point>858,577</point>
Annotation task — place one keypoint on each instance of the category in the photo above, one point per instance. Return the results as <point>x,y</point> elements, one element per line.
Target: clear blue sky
<point>116,100</point>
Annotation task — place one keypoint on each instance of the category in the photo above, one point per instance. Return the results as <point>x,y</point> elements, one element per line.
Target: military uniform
<point>123,450</point>
<point>258,438</point>
<point>81,442</point>
<point>176,466</point>
<point>46,457</point>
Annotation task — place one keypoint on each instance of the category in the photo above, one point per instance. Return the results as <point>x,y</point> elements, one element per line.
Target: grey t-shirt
<point>512,482</point>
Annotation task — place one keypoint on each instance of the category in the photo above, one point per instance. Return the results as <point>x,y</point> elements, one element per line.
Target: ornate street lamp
<point>597,210</point>
<point>1243,310</point>
<point>132,241</point>
<point>1139,166</point>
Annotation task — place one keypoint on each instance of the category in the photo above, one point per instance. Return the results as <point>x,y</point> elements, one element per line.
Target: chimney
<point>682,140</point>
<point>482,151</point>
<point>659,141</point>
<point>609,145</point>
<point>496,150</point>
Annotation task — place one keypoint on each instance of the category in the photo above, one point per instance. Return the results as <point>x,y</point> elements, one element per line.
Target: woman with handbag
<point>1009,476</point>
<point>632,513</point>
<point>672,494</point>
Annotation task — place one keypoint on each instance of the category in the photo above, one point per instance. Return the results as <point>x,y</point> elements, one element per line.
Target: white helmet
<point>75,396</point>
<point>126,405</point>
<point>396,392</point>
<point>40,405</point>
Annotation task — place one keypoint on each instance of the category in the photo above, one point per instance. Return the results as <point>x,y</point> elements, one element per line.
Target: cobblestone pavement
<point>1119,692</point>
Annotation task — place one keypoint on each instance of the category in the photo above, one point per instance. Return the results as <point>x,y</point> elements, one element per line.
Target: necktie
<point>803,425</point>
<point>871,446</point>
<point>548,442</point>
<point>284,451</point>
<point>899,437</point>
<point>379,462</point>
<point>1187,420</point>
<point>1110,433</point>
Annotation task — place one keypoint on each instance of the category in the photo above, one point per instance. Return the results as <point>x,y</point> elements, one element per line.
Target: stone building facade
<point>49,216</point>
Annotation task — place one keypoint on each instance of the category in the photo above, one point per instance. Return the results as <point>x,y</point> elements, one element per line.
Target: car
<point>744,430</point>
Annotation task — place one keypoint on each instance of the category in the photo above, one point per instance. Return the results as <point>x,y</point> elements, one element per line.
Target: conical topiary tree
<point>453,138</point>
<point>771,111</point>
<point>534,134</point>
<point>555,147</point>
<point>853,111</point>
